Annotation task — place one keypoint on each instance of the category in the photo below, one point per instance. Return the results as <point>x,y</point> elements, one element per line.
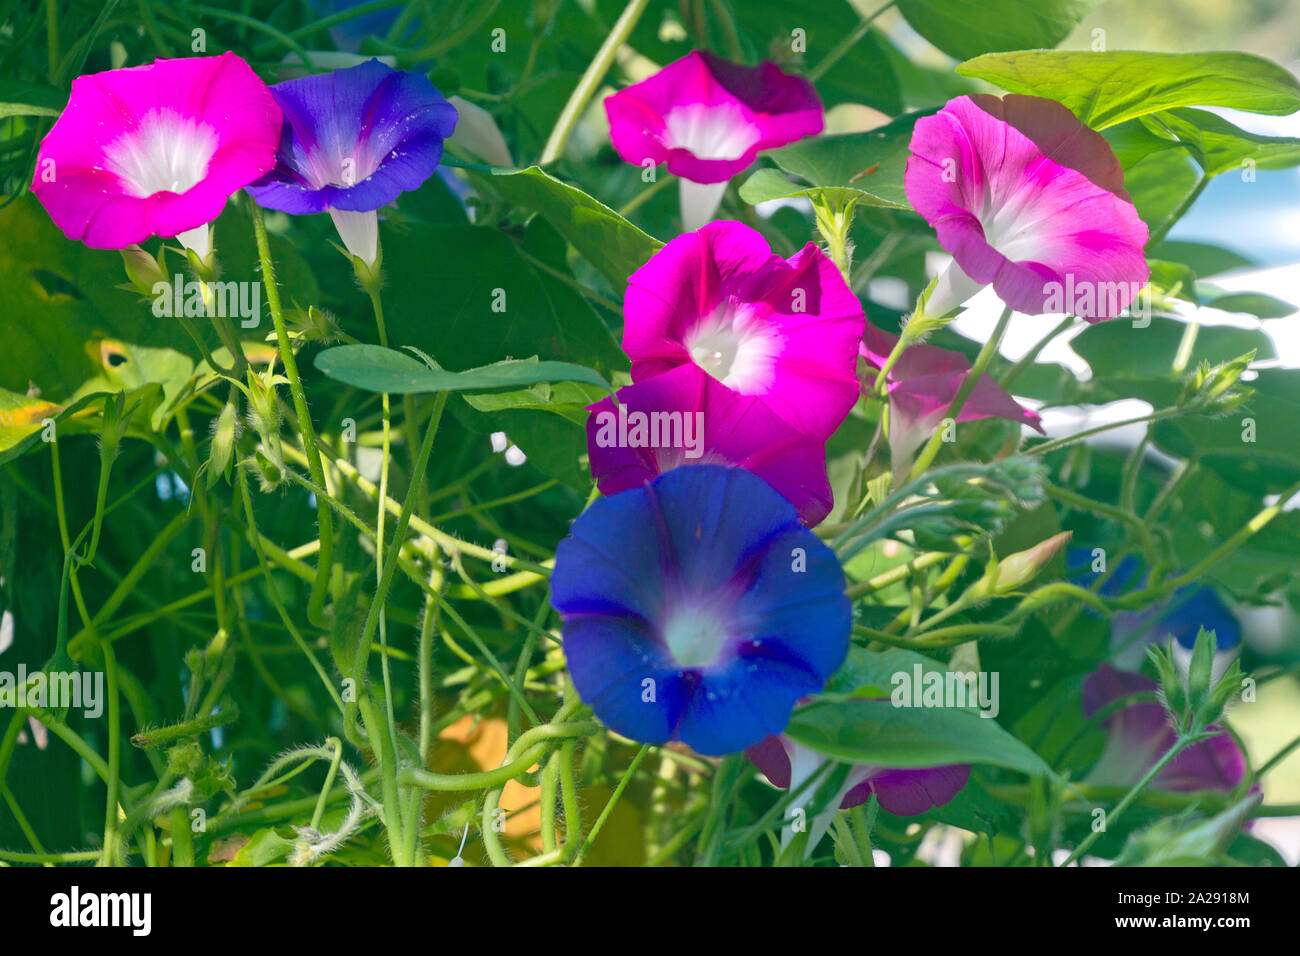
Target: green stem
<point>1055,444</point>
<point>182,838</point>
<point>609,807</point>
<point>845,45</point>
<point>109,857</point>
<point>590,81</point>
<point>1030,357</point>
<point>1179,746</point>
<point>959,401</point>
<point>324,564</point>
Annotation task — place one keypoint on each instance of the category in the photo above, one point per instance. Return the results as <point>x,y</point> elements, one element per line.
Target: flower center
<point>718,131</point>
<point>734,347</point>
<point>166,153</point>
<point>695,636</point>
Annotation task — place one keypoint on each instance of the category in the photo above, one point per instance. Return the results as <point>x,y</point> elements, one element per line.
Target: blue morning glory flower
<point>1180,617</point>
<point>354,140</point>
<point>698,608</point>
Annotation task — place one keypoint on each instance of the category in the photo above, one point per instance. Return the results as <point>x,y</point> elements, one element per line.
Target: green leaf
<point>871,673</point>
<point>62,306</point>
<point>23,418</point>
<point>967,28</point>
<point>866,75</point>
<point>608,241</point>
<point>377,369</point>
<point>877,732</point>
<point>1118,350</point>
<point>867,167</point>
<point>1219,146</point>
<point>566,399</point>
<point>1203,258</point>
<point>21,98</point>
<point>1252,303</point>
<point>1254,448</point>
<point>1162,186</point>
<point>263,848</point>
<point>468,297</point>
<point>1108,88</point>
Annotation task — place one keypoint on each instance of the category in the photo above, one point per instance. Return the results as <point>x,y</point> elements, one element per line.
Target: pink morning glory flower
<point>784,331</point>
<point>1029,199</point>
<point>707,119</point>
<point>687,417</point>
<point>904,793</point>
<point>923,383</point>
<point>156,150</point>
<point>1141,733</point>
<point>354,140</point>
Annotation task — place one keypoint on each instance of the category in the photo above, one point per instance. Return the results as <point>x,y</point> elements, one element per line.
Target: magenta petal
<point>707,118</point>
<point>155,150</point>
<point>784,331</point>
<point>923,383</point>
<point>686,417</point>
<point>1029,199</point>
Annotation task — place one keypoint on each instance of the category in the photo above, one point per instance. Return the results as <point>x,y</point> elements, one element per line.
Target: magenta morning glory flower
<point>923,383</point>
<point>707,119</point>
<point>687,417</point>
<point>1140,734</point>
<point>156,150</point>
<point>784,331</point>
<point>697,608</point>
<point>1028,198</point>
<point>353,141</point>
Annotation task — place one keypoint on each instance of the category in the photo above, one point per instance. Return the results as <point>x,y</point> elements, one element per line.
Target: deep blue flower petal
<point>355,139</point>
<point>1128,575</point>
<point>611,660</point>
<point>738,706</point>
<point>644,575</point>
<point>611,563</point>
<point>797,601</point>
<point>1195,608</point>
<point>716,519</point>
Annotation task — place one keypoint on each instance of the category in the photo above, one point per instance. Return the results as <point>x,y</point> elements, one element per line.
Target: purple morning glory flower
<point>904,793</point>
<point>698,608</point>
<point>354,140</point>
<point>1140,734</point>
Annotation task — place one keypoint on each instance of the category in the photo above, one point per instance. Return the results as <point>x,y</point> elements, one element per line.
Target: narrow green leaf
<point>377,369</point>
<point>877,732</point>
<point>607,240</point>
